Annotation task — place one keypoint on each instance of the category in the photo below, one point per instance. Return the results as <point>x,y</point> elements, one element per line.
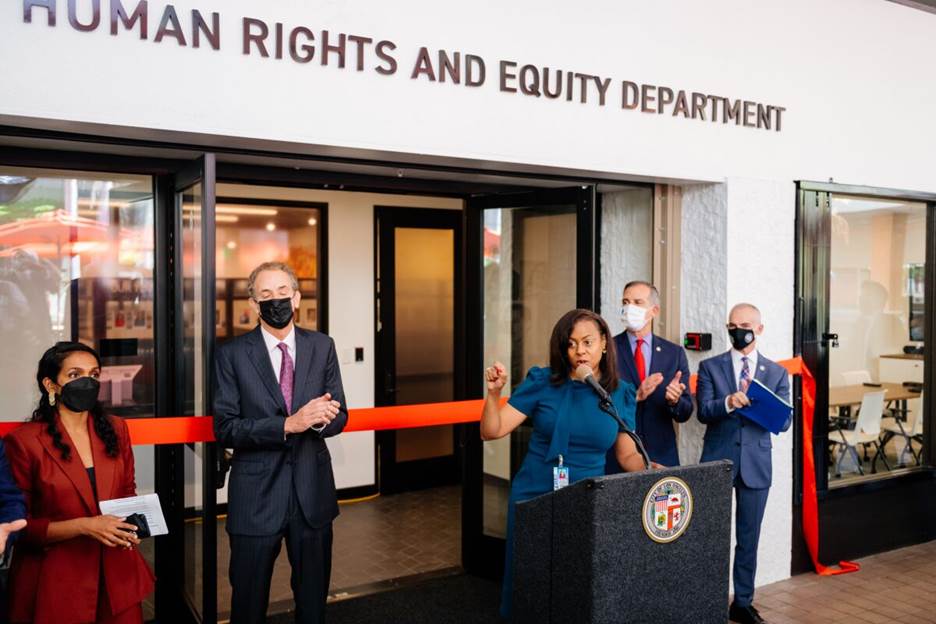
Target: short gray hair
<point>271,266</point>
<point>654,293</point>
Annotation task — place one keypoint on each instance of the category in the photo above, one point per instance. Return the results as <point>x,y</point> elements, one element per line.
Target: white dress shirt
<point>736,364</point>
<point>276,355</point>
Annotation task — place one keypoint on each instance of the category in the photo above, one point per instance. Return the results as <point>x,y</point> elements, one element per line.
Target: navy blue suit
<point>280,486</point>
<point>12,503</point>
<point>12,507</point>
<point>748,446</point>
<point>655,416</point>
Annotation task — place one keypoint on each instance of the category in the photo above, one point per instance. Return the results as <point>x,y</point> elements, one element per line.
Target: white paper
<point>147,505</point>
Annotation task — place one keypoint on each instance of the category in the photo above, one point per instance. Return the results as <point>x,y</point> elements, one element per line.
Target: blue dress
<point>566,421</point>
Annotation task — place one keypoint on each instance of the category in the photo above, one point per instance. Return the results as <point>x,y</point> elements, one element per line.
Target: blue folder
<point>766,408</point>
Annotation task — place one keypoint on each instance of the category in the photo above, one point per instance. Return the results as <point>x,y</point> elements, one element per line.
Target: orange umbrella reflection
<point>54,234</point>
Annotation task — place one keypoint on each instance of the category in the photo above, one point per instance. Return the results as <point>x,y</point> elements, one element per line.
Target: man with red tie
<point>658,369</point>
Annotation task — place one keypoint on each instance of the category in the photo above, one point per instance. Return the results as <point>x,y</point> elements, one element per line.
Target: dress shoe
<point>744,615</point>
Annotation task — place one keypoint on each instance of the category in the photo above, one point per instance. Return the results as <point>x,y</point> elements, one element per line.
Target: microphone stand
<point>608,408</point>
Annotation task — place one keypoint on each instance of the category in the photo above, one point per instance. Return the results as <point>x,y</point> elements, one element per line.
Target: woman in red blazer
<point>73,565</point>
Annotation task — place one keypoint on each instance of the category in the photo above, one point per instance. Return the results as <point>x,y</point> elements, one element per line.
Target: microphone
<point>584,373</point>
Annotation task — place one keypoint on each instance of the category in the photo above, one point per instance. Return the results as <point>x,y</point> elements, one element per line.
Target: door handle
<point>388,384</point>
<point>830,340</point>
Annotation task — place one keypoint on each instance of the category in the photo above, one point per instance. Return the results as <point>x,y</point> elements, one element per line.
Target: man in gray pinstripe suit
<point>278,395</point>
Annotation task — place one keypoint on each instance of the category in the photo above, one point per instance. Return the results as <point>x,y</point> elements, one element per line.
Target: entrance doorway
<point>209,212</point>
<point>418,356</point>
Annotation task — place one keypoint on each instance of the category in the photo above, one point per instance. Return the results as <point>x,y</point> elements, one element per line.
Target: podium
<point>645,547</point>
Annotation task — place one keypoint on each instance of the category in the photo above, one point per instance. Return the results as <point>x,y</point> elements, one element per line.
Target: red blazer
<point>58,582</point>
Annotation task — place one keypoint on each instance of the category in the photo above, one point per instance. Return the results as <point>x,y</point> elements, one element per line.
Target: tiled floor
<point>394,536</point>
<point>896,586</point>
<point>375,540</point>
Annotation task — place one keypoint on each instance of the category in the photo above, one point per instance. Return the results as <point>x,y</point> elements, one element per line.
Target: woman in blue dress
<point>569,429</point>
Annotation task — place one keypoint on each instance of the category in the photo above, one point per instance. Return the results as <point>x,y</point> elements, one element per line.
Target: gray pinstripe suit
<point>279,486</point>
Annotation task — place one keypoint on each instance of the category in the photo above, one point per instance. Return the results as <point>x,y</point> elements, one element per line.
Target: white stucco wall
<point>626,247</point>
<point>737,245</point>
<point>858,105</point>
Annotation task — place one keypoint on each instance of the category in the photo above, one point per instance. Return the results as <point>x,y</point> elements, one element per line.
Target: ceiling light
<point>270,226</point>
<point>246,210</point>
<point>226,218</point>
<point>313,221</point>
<point>231,245</point>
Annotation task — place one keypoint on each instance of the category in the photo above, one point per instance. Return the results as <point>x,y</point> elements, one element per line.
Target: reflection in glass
<point>193,384</point>
<point>529,282</point>
<point>876,308</point>
<point>76,263</point>
<point>250,233</point>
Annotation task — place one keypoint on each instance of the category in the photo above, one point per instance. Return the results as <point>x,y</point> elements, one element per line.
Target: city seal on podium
<point>667,510</point>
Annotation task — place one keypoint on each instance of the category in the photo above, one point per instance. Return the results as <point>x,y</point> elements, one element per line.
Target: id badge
<point>560,476</point>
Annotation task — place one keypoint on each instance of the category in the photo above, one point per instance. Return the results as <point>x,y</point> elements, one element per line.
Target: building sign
<point>302,45</point>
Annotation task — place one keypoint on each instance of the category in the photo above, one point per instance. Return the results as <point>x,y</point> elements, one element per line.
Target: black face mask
<point>741,337</point>
<point>277,312</point>
<point>81,394</point>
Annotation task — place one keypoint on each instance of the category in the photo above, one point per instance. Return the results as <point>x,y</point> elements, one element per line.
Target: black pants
<point>252,559</point>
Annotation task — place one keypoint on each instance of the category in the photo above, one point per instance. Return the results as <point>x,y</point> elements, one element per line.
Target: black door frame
<point>483,554</point>
<point>73,151</point>
<point>848,528</point>
<point>202,171</point>
<point>392,476</point>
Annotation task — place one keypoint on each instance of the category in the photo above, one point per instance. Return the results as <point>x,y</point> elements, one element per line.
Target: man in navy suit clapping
<point>658,369</point>
<point>722,386</point>
<point>278,395</point>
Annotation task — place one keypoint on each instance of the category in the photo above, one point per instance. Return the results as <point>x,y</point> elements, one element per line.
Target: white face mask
<point>634,317</point>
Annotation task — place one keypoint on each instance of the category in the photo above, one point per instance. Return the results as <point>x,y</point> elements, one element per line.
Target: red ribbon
<point>188,429</point>
<point>796,366</point>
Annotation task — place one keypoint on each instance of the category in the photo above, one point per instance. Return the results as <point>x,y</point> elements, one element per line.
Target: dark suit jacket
<point>655,416</point>
<point>58,582</point>
<point>729,435</point>
<point>12,504</point>
<point>249,414</point>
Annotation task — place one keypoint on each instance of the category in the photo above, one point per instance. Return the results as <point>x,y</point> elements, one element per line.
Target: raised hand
<point>496,378</point>
<point>649,385</point>
<point>675,389</point>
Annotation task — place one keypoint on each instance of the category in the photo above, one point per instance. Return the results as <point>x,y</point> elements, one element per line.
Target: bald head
<point>743,313</point>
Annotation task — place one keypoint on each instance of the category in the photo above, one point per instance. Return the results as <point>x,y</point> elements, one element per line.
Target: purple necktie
<point>287,372</point>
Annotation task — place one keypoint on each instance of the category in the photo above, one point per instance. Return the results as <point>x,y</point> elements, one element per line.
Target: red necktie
<point>639,360</point>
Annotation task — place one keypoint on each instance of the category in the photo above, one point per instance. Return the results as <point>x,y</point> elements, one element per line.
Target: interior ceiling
<point>464,181</point>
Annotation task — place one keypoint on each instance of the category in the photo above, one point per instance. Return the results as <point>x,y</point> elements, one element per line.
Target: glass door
<point>195,335</point>
<point>538,263</point>
<point>417,354</point>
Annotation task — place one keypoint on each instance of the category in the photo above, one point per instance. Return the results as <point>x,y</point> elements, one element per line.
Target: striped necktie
<point>745,380</point>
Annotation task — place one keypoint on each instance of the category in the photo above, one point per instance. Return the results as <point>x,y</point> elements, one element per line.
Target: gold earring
<point>51,398</point>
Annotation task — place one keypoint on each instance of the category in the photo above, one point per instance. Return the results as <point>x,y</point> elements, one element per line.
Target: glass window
<point>76,263</point>
<point>529,283</point>
<point>878,255</point>
<point>250,232</point>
